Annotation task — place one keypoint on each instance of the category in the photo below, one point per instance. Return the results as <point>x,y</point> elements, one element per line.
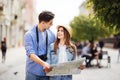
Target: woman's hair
<point>68,42</point>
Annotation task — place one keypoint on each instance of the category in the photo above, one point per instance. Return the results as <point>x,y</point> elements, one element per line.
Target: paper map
<point>67,68</point>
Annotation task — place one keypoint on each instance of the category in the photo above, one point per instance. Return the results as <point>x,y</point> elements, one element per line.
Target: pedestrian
<point>3,49</point>
<point>62,50</point>
<point>36,42</point>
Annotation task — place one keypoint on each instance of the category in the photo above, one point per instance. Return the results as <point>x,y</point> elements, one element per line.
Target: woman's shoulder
<point>52,45</point>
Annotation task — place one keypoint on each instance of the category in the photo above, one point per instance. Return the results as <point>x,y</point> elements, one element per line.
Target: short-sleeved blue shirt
<point>30,43</point>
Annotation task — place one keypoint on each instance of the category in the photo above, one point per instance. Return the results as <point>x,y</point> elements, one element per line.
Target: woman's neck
<point>62,42</point>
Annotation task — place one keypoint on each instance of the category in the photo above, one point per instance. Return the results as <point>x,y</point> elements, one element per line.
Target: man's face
<point>47,25</point>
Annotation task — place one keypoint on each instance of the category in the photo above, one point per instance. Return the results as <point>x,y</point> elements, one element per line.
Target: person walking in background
<point>36,42</point>
<point>62,50</point>
<point>3,49</point>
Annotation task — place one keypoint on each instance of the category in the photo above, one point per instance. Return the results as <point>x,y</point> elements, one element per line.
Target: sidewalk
<point>16,63</point>
<point>14,67</point>
<point>104,73</point>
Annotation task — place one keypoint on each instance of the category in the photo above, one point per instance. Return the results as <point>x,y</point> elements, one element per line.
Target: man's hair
<point>45,16</point>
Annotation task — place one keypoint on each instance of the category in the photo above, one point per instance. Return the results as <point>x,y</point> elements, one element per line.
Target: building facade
<point>12,22</point>
<point>16,17</point>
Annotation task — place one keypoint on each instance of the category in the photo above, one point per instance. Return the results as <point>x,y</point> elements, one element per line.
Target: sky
<point>64,10</point>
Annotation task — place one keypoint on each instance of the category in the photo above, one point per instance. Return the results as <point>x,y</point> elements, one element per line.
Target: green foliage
<point>108,11</point>
<point>85,28</point>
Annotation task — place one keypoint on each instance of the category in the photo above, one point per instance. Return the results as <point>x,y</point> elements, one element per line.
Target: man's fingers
<point>46,70</point>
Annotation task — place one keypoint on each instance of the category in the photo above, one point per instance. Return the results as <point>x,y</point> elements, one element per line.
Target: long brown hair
<point>68,42</point>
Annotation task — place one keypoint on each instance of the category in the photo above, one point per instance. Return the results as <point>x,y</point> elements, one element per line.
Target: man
<point>86,53</point>
<point>36,42</point>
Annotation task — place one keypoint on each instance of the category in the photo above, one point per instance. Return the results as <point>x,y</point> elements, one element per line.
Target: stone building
<point>14,15</point>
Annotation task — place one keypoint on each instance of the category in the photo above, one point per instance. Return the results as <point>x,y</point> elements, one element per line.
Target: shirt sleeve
<point>28,43</point>
<point>84,51</point>
<point>49,55</point>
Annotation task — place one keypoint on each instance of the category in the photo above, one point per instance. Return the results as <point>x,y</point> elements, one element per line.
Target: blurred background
<point>84,16</point>
<point>91,20</point>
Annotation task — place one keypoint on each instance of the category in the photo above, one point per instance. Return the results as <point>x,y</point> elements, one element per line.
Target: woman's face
<point>60,33</point>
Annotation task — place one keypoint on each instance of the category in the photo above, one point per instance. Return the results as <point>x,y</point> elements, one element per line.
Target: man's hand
<point>47,68</point>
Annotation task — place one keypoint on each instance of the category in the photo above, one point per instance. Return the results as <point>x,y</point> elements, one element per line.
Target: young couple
<point>40,42</point>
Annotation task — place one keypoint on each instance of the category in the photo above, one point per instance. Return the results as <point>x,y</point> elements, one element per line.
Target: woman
<point>3,49</point>
<point>62,50</point>
<point>95,54</point>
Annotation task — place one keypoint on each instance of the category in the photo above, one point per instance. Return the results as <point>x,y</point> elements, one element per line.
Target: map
<point>67,68</point>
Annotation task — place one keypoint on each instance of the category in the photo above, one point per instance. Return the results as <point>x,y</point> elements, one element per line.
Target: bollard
<point>118,57</point>
<point>109,62</point>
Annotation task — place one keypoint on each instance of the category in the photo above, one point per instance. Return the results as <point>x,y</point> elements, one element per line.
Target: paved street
<point>104,73</point>
<point>14,68</point>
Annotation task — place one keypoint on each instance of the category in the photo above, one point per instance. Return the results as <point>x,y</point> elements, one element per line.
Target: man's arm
<point>36,59</point>
<point>30,52</point>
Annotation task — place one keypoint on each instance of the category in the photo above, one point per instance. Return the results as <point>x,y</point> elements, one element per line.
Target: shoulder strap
<point>37,38</point>
<point>46,42</point>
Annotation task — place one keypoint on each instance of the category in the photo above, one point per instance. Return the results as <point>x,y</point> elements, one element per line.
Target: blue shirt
<point>30,43</point>
<point>53,59</point>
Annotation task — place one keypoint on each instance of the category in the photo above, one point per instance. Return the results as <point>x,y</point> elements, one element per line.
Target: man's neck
<point>40,28</point>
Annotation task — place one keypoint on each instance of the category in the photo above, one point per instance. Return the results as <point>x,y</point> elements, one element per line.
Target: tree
<point>108,11</point>
<point>85,28</point>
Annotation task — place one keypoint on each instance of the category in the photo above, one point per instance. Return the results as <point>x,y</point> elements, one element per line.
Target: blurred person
<point>95,53</point>
<point>79,45</point>
<point>3,49</point>
<point>62,50</point>
<point>79,48</point>
<point>36,42</point>
<point>86,53</point>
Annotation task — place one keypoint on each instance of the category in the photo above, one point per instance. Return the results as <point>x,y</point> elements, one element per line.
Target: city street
<point>14,68</point>
<point>77,21</point>
<point>104,73</point>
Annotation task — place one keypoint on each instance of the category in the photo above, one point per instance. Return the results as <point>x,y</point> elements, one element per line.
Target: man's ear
<point>42,22</point>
